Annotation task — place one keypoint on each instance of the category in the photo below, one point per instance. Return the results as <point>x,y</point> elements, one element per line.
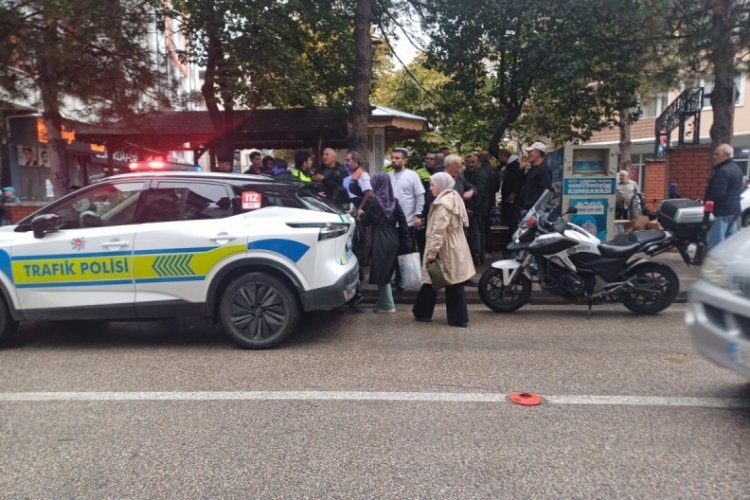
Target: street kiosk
<point>588,184</point>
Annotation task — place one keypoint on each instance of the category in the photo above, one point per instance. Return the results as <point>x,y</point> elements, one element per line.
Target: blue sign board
<point>589,185</point>
<point>592,215</point>
<point>583,167</point>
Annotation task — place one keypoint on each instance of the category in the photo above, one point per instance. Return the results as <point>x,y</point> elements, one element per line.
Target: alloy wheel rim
<point>656,282</point>
<point>257,311</point>
<point>499,291</point>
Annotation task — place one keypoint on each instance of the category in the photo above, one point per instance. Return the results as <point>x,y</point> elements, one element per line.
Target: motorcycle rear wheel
<point>657,287</point>
<point>500,297</point>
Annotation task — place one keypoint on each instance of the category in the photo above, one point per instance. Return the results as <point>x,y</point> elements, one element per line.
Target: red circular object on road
<point>525,398</point>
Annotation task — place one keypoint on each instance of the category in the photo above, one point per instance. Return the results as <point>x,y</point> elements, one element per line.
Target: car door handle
<point>115,244</point>
<point>223,238</point>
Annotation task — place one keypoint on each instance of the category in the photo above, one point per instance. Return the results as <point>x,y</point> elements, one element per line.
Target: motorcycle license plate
<point>739,353</point>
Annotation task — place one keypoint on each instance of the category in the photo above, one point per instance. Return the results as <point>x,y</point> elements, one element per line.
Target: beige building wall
<point>643,133</point>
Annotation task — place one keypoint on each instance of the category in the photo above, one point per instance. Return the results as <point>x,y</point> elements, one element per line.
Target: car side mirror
<point>43,224</point>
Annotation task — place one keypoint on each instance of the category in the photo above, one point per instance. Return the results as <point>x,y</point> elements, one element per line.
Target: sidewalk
<point>687,275</point>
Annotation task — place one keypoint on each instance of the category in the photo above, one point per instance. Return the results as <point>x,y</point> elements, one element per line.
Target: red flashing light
<point>531,222</point>
<point>708,206</point>
<point>156,165</point>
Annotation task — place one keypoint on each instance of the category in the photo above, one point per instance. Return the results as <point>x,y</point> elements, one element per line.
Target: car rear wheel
<point>258,311</point>
<point>746,219</point>
<point>8,325</point>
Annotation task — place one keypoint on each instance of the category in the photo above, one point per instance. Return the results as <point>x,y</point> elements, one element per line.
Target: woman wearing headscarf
<point>446,241</point>
<point>389,232</point>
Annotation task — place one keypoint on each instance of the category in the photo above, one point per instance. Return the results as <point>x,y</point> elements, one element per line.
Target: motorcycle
<point>568,261</point>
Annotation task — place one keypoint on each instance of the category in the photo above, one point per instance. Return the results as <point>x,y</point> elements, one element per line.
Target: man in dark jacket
<point>331,174</point>
<point>493,186</point>
<point>478,207</point>
<point>510,189</point>
<point>724,189</point>
<point>538,177</point>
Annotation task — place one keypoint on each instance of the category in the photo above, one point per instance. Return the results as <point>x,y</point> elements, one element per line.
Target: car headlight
<point>715,273</point>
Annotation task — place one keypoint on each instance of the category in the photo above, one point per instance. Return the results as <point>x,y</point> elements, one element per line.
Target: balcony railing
<point>686,106</point>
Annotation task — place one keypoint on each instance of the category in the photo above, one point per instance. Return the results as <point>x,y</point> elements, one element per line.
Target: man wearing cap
<point>9,195</point>
<point>539,176</point>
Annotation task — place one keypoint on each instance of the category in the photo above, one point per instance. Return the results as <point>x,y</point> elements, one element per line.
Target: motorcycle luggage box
<point>682,217</point>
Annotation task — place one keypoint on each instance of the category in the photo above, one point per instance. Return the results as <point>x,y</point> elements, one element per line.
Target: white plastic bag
<point>411,270</point>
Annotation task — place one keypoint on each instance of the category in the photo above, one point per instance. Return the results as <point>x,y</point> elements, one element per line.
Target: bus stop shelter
<point>300,128</point>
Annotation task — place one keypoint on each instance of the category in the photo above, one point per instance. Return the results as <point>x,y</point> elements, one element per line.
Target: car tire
<point>258,311</point>
<point>745,219</point>
<point>8,325</point>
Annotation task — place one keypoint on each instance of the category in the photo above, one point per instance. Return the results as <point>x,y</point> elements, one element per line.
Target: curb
<point>538,298</point>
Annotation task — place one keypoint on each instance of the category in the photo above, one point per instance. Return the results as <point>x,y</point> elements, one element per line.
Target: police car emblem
<point>78,243</point>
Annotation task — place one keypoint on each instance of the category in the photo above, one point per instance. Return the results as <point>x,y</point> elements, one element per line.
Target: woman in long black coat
<point>389,233</point>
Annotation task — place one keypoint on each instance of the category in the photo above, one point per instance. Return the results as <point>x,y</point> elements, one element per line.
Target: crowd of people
<point>441,209</point>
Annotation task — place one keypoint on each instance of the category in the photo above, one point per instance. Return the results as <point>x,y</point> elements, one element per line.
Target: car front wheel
<point>8,325</point>
<point>258,311</point>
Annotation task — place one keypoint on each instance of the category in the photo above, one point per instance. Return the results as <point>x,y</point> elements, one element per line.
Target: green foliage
<point>91,50</point>
<point>274,53</point>
<point>714,37</point>
<point>453,118</point>
<point>557,69</point>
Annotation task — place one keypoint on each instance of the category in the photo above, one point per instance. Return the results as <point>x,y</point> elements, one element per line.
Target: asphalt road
<point>361,405</point>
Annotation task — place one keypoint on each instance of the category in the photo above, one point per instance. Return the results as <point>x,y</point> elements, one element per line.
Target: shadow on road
<point>101,334</point>
<point>179,333</point>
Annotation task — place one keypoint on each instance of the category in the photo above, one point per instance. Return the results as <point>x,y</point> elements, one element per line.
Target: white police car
<point>246,250</point>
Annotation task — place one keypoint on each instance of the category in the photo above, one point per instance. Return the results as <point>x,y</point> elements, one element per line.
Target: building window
<point>708,87</point>
<point>741,159</point>
<point>653,106</point>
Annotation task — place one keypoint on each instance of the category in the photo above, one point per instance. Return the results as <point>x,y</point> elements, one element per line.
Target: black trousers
<point>511,216</point>
<point>487,227</point>
<point>475,239</point>
<point>421,237</point>
<point>455,303</point>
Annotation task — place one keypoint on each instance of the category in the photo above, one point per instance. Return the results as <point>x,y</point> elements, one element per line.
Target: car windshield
<point>313,200</point>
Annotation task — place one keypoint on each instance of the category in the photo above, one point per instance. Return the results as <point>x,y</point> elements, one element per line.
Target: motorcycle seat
<point>640,237</point>
<point>618,250</point>
<point>647,236</point>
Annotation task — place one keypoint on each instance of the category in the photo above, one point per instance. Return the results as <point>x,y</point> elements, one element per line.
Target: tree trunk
<point>47,81</point>
<point>722,57</point>
<point>510,118</point>
<point>360,112</point>
<point>58,165</point>
<point>626,162</point>
<point>221,121</point>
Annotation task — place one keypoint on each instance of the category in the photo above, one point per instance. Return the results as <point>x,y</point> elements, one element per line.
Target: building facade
<point>643,132</point>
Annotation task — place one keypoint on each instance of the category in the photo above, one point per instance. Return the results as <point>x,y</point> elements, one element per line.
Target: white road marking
<point>438,397</point>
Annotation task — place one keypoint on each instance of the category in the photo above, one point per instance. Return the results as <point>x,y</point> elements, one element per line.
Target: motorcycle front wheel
<point>501,297</point>
<point>655,286</point>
